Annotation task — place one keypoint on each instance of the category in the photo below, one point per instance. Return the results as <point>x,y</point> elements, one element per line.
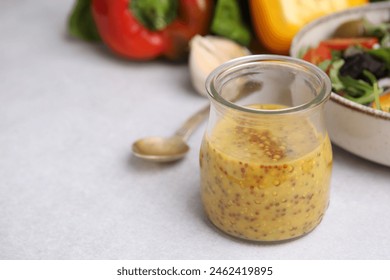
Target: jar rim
<point>322,96</point>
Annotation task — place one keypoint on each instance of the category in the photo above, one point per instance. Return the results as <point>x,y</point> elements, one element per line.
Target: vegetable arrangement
<point>208,32</point>
<point>357,60</point>
<point>148,29</point>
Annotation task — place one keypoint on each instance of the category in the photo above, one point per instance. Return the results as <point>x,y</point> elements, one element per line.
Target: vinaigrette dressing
<point>265,182</point>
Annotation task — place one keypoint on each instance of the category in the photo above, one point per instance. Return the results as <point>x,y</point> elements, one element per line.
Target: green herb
<point>385,41</point>
<point>227,22</point>
<point>334,75</point>
<point>356,87</point>
<point>375,88</point>
<point>155,14</point>
<point>382,54</point>
<point>361,91</point>
<point>324,65</point>
<point>377,29</point>
<point>380,31</point>
<point>336,55</point>
<point>81,23</point>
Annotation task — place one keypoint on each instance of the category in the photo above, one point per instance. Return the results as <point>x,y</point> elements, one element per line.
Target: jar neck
<point>265,113</point>
<point>298,86</point>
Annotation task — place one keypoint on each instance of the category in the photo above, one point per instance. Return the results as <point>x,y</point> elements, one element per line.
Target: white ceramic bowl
<point>356,128</point>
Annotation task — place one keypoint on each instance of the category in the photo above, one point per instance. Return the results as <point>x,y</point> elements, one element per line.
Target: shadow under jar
<point>266,160</point>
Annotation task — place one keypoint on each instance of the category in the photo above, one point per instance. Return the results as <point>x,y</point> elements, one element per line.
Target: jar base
<point>257,241</point>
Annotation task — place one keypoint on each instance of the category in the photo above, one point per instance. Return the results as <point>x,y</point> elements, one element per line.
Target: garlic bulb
<point>207,53</point>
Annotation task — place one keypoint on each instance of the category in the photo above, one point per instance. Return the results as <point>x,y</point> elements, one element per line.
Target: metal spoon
<point>167,149</point>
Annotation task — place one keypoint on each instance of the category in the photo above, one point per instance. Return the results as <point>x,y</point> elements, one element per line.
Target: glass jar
<point>266,158</point>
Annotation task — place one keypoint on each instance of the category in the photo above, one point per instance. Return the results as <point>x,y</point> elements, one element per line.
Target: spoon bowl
<point>160,149</point>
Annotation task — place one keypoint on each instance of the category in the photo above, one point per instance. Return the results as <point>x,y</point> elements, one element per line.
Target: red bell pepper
<point>125,34</point>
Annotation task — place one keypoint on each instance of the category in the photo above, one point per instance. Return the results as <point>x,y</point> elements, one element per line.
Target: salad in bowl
<point>357,60</point>
<point>353,48</point>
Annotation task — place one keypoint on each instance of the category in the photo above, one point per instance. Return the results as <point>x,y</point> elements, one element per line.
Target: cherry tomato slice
<point>318,54</point>
<point>344,43</point>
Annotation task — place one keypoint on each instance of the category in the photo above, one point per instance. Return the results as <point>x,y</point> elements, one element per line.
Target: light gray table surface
<point>70,188</point>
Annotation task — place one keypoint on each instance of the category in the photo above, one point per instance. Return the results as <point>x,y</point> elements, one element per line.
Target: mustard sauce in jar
<point>265,183</point>
<point>266,160</point>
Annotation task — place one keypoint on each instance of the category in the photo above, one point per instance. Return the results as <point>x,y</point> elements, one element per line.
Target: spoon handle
<point>191,123</point>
